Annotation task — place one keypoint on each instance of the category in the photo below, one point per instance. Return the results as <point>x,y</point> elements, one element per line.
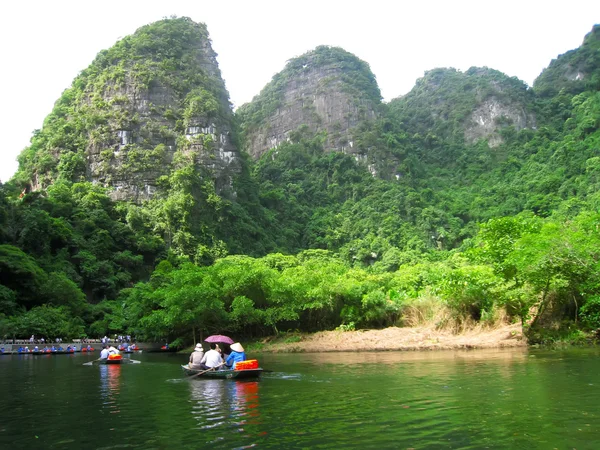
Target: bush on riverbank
<point>521,268</point>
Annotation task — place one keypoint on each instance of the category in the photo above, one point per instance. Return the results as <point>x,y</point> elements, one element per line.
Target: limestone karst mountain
<point>326,91</point>
<point>152,102</point>
<point>465,107</point>
<point>573,71</point>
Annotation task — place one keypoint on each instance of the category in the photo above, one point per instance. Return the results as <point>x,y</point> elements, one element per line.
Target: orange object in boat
<point>114,357</point>
<point>249,364</point>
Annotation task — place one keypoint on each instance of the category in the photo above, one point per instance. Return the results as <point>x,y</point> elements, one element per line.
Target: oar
<point>208,370</point>
<point>91,363</point>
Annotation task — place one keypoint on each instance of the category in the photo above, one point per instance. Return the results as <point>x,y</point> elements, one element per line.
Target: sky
<point>45,44</point>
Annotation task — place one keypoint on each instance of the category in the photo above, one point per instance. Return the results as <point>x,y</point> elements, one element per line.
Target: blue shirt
<point>235,357</point>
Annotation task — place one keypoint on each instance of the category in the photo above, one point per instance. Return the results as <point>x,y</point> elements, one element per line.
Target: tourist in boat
<point>104,353</point>
<point>196,357</point>
<point>36,349</point>
<point>237,355</point>
<point>112,350</point>
<point>212,358</point>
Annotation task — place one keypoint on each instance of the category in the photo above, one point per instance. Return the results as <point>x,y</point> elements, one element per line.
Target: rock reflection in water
<point>110,385</point>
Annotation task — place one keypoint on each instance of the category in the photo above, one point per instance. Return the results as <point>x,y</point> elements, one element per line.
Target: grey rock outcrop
<point>326,91</point>
<point>491,115</point>
<point>465,106</point>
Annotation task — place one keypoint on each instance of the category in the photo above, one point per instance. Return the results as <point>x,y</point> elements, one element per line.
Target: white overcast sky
<point>45,44</point>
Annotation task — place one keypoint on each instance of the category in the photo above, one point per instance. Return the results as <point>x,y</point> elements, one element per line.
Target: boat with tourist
<point>243,370</point>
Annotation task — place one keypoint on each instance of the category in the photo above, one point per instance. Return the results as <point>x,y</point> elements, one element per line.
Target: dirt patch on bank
<point>417,338</point>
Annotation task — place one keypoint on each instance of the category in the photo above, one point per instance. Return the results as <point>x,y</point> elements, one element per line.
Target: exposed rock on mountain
<point>327,90</point>
<point>573,71</point>
<point>152,102</point>
<point>465,107</point>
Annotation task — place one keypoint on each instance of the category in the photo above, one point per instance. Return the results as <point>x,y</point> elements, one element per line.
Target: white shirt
<point>104,353</point>
<point>212,358</point>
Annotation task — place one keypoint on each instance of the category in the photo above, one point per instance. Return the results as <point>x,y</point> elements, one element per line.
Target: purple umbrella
<point>219,338</point>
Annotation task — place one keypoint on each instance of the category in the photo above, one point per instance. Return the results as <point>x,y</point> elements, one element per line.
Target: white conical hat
<point>237,347</point>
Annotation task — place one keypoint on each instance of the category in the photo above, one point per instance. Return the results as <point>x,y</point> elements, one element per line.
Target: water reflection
<point>244,403</point>
<point>227,407</point>
<point>110,385</point>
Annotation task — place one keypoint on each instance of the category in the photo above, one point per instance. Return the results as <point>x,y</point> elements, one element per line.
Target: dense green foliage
<point>304,238</point>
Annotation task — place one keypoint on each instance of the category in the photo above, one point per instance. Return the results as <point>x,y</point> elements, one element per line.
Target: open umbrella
<point>219,338</point>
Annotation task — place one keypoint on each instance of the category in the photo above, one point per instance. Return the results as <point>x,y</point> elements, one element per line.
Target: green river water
<point>515,399</point>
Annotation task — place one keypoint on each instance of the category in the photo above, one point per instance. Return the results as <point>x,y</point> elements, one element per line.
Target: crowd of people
<point>52,349</point>
<point>33,340</point>
<point>216,357</point>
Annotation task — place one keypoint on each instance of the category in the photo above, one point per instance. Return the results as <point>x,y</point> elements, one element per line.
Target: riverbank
<point>392,339</point>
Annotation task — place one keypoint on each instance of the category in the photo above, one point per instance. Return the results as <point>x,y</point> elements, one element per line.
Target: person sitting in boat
<point>196,357</point>
<point>36,349</point>
<point>237,355</point>
<point>1,349</point>
<point>211,358</point>
<point>104,353</point>
<point>112,350</point>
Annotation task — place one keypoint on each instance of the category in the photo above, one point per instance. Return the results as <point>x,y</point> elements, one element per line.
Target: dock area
<point>96,345</point>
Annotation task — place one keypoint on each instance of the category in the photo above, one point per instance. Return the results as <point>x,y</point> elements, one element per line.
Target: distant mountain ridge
<point>150,120</point>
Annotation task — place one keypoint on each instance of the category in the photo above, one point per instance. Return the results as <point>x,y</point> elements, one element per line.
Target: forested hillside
<point>473,198</point>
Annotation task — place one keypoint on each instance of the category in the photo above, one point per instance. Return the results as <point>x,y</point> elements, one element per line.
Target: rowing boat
<point>224,374</point>
<point>115,361</point>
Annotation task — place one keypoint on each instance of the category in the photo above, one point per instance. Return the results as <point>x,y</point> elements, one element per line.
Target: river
<point>503,399</point>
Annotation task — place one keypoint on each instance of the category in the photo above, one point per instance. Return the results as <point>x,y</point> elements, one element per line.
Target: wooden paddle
<point>207,370</point>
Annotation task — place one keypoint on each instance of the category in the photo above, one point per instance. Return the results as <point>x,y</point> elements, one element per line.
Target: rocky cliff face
<point>491,115</point>
<point>148,105</point>
<point>327,91</point>
<point>573,71</point>
<point>465,107</point>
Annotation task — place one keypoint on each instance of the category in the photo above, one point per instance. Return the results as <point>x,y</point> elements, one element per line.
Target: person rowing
<point>237,355</point>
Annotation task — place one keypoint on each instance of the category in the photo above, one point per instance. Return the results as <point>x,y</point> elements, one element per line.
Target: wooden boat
<point>224,374</point>
<point>116,361</point>
<point>113,359</point>
<point>110,361</point>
